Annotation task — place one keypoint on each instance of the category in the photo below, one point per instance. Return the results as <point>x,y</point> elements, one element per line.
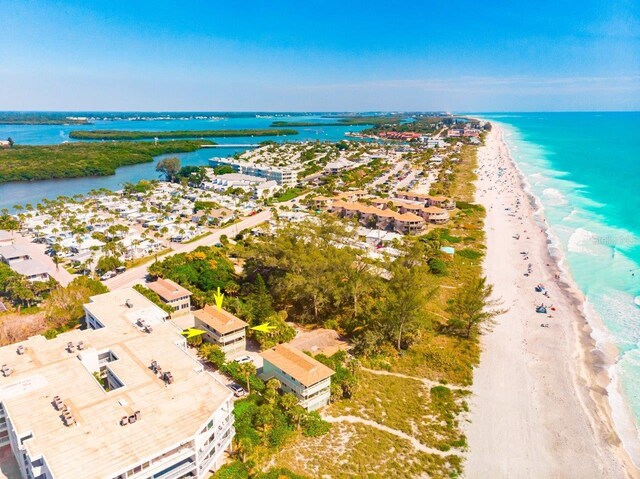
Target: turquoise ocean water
<point>584,168</point>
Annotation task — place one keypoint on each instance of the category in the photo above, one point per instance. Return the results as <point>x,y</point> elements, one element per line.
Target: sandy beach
<point>539,406</point>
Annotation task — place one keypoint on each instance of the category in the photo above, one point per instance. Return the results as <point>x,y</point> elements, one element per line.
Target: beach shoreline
<point>540,405</point>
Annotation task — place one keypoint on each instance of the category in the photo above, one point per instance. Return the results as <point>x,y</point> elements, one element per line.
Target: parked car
<point>238,391</point>
<point>243,359</point>
<point>107,275</point>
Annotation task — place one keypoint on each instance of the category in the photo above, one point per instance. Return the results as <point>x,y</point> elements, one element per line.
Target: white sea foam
<point>554,196</point>
<point>572,216</point>
<point>582,241</point>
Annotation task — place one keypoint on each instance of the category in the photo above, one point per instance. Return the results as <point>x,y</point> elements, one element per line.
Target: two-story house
<point>172,294</point>
<point>222,328</point>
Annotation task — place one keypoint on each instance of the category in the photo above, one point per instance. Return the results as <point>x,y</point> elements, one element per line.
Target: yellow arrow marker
<point>265,328</point>
<point>192,332</point>
<point>219,297</point>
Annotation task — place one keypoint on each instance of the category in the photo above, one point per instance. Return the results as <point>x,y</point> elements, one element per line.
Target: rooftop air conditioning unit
<point>128,303</point>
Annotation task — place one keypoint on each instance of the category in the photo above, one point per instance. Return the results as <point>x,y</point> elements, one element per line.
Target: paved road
<point>397,168</point>
<point>138,275</point>
<point>408,179</point>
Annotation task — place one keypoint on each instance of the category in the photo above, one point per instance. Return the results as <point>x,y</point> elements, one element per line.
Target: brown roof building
<point>300,374</point>
<point>172,294</point>
<point>222,328</point>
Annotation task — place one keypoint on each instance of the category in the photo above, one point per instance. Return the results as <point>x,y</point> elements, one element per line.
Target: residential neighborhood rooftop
<point>300,366</point>
<point>30,267</point>
<point>222,321</point>
<point>168,290</point>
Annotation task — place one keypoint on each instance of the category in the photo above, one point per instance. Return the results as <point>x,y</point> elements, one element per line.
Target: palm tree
<point>243,446</point>
<point>247,370</point>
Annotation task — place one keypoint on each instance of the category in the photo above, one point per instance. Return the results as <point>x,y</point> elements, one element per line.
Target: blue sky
<point>320,55</point>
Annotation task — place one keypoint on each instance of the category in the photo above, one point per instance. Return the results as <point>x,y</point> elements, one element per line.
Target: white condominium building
<point>122,399</point>
<point>283,176</point>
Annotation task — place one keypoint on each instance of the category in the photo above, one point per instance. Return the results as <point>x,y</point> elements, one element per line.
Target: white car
<point>243,359</point>
<point>238,391</point>
<point>107,275</point>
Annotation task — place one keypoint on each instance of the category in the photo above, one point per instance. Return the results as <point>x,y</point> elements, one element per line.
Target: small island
<point>41,118</point>
<point>148,135</point>
<point>74,160</point>
<point>342,121</point>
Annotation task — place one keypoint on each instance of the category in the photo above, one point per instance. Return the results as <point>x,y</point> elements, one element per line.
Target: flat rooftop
<point>98,446</point>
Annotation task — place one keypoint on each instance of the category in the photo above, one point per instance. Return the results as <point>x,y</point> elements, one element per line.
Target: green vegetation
<point>387,400</point>
<point>289,124</point>
<point>265,419</point>
<point>142,186</point>
<point>199,205</point>
<point>287,195</point>
<point>223,170</point>
<point>37,118</point>
<point>360,451</point>
<point>319,282</point>
<point>153,297</point>
<point>63,308</point>
<point>343,121</point>
<point>148,135</point>
<point>18,290</point>
<point>417,316</point>
<point>192,174</point>
<point>201,271</point>
<point>169,167</point>
<point>72,160</point>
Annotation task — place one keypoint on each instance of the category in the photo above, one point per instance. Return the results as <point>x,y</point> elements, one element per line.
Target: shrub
<point>213,354</point>
<point>437,266</point>
<point>314,425</point>
<point>233,470</point>
<point>463,205</point>
<point>280,473</point>
<point>470,253</point>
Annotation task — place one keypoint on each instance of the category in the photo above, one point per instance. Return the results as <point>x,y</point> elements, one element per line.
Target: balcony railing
<point>179,471</point>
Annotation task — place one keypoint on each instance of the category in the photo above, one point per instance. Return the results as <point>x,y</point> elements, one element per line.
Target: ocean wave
<point>572,215</point>
<point>582,241</point>
<point>554,196</point>
<point>622,317</point>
